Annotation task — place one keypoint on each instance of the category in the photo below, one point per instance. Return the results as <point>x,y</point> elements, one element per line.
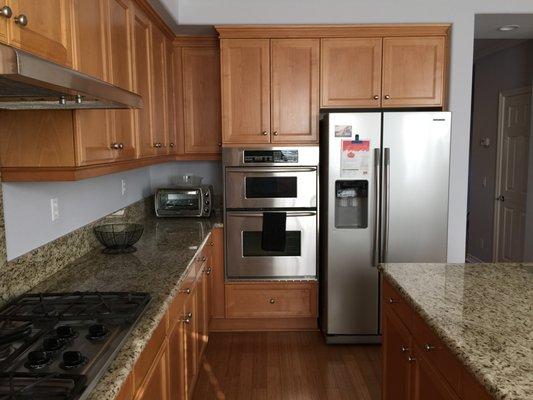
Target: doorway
<point>500,191</point>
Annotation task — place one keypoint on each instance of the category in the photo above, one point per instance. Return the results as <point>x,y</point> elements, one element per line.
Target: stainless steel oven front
<point>246,258</point>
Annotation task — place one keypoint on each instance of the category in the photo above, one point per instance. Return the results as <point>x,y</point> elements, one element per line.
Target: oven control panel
<point>270,156</point>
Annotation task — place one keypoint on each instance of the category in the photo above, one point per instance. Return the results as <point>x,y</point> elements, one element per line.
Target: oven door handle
<point>270,169</point>
<point>260,214</point>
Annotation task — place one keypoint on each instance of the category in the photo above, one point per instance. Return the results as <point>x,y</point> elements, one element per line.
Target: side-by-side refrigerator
<point>384,198</point>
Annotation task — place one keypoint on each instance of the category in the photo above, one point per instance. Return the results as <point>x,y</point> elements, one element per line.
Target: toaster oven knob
<point>206,210</point>
<point>207,202</point>
<point>206,194</point>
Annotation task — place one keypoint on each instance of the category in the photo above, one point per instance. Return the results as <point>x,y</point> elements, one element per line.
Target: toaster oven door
<point>185,202</point>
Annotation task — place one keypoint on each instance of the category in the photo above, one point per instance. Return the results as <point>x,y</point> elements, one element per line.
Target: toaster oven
<point>190,201</point>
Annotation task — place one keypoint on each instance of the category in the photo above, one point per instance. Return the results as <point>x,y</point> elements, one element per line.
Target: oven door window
<point>268,187</point>
<point>251,245</point>
<point>186,200</point>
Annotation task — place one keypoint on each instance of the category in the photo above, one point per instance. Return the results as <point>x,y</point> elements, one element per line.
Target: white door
<point>512,167</point>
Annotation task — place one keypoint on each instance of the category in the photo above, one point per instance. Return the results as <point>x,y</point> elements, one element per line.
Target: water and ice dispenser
<point>351,204</point>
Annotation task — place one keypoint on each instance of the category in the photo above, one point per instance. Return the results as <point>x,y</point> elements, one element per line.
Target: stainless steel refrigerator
<point>384,198</point>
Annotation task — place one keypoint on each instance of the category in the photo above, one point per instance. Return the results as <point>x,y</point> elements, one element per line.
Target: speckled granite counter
<point>164,253</point>
<point>483,312</point>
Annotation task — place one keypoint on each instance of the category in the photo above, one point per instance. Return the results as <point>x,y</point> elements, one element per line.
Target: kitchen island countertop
<point>164,254</point>
<point>483,312</point>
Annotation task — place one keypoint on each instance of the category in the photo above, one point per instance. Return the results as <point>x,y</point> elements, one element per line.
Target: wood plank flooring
<point>287,366</point>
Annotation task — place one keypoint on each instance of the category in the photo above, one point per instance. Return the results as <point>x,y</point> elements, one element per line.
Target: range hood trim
<point>19,66</point>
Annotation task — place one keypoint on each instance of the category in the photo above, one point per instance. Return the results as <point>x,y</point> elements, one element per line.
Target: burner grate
<point>40,386</point>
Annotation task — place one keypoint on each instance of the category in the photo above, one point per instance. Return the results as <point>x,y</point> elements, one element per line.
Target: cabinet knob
<point>6,12</point>
<point>275,133</point>
<point>186,291</point>
<point>264,133</point>
<point>21,20</point>
<point>404,349</point>
<point>219,144</point>
<point>114,146</point>
<point>411,359</point>
<point>392,301</point>
<point>376,97</point>
<point>171,144</point>
<point>429,347</point>
<point>208,271</point>
<point>158,145</point>
<point>121,146</point>
<point>187,318</point>
<point>387,97</point>
<point>272,301</point>
<point>211,243</point>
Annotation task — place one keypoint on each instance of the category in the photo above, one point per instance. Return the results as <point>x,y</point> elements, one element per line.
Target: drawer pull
<point>208,271</point>
<point>21,20</point>
<point>6,12</point>
<point>404,349</point>
<point>272,301</point>
<point>393,301</point>
<point>211,244</point>
<point>429,347</point>
<point>187,318</point>
<point>186,291</point>
<point>411,359</point>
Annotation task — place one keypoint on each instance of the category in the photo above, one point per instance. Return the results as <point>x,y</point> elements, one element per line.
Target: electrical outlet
<point>54,208</point>
<point>123,187</point>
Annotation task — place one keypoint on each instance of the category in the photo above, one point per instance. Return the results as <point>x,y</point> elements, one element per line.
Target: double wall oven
<point>266,181</point>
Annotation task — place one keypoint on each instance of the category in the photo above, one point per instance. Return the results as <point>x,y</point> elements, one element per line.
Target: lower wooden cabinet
<point>416,364</point>
<point>156,384</point>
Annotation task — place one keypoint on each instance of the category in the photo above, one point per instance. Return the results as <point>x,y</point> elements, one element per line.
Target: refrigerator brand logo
<point>439,119</point>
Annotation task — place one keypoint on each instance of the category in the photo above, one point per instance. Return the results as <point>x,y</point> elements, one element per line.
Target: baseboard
<point>263,324</point>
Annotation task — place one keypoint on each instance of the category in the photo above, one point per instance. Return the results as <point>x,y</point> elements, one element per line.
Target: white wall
<point>459,12</point>
<point>27,205</point>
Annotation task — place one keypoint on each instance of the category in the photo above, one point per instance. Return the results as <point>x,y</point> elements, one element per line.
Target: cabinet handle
<point>272,301</point>
<point>186,291</point>
<point>171,144</point>
<point>121,146</point>
<point>392,300</point>
<point>21,20</point>
<point>219,144</point>
<point>387,97</point>
<point>404,349</point>
<point>376,97</point>
<point>6,12</point>
<point>264,133</point>
<point>114,146</point>
<point>411,359</point>
<point>211,243</point>
<point>158,145</point>
<point>187,318</point>
<point>275,133</point>
<point>203,259</point>
<point>429,347</point>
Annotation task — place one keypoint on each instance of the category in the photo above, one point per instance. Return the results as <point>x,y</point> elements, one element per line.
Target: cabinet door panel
<point>395,353</point>
<point>93,137</point>
<point>159,87</point>
<point>121,72</point>
<point>191,344</point>
<point>413,71</point>
<point>3,28</point>
<point>245,70</point>
<point>295,91</point>
<point>201,99</point>
<point>427,383</point>
<point>142,75</point>
<point>157,382</point>
<point>172,139</point>
<point>351,72</point>
<point>47,33</point>
<point>177,360</point>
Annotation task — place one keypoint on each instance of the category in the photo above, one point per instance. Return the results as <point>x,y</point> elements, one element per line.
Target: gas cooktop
<point>57,345</point>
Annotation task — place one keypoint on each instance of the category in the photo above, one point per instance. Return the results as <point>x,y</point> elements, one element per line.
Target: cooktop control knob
<point>38,359</point>
<point>72,359</point>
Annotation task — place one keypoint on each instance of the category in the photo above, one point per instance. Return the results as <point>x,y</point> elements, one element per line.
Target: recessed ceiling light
<point>507,28</point>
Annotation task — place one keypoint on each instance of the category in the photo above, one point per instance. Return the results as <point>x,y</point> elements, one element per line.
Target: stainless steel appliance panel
<point>352,282</point>
<point>271,187</point>
<point>416,149</point>
<point>305,156</point>
<point>245,259</point>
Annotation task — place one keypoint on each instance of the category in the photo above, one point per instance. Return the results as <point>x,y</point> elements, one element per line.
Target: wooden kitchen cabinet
<point>413,71</point>
<point>294,90</point>
<point>156,384</point>
<point>3,25</point>
<point>197,72</point>
<point>351,72</point>
<point>159,87</point>
<point>245,74</point>
<point>47,32</point>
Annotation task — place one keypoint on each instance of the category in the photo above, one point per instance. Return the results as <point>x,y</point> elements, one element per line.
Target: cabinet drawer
<point>185,292</point>
<point>393,300</point>
<point>271,300</point>
<point>436,352</point>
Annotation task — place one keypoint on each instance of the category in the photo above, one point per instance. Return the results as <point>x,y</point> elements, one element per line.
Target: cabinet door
<point>201,99</point>
<point>428,383</point>
<point>245,70</point>
<point>120,63</point>
<point>177,359</point>
<point>3,26</point>
<point>395,358</point>
<point>47,32</point>
<point>159,91</point>
<point>142,77</point>
<point>157,381</point>
<point>351,72</point>
<point>202,306</point>
<point>294,90</point>
<point>216,287</point>
<point>413,71</point>
<point>172,139</point>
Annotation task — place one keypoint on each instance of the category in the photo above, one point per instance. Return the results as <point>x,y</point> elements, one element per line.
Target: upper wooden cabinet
<point>351,72</point>
<point>413,71</point>
<point>3,28</point>
<point>245,71</point>
<point>159,91</point>
<point>294,90</point>
<point>42,27</point>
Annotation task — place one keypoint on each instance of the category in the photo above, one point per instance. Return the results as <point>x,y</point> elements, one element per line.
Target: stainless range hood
<point>28,82</point>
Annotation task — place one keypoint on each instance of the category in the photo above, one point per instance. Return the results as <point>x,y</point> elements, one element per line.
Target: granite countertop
<point>163,255</point>
<point>483,312</point>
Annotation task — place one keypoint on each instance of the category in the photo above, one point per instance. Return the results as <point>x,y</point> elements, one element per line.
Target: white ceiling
<point>487,26</point>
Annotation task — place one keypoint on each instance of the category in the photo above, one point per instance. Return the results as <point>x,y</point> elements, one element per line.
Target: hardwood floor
<point>287,366</point>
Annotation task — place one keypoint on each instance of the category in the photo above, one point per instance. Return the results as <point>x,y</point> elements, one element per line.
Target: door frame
<point>499,155</point>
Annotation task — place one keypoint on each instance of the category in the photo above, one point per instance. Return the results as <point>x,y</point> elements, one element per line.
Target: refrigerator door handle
<point>377,177</point>
<point>385,206</point>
